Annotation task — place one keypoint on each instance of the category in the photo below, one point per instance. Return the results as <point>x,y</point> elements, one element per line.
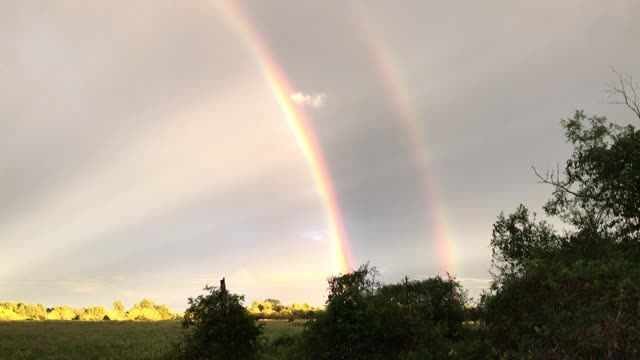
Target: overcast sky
<point>143,154</point>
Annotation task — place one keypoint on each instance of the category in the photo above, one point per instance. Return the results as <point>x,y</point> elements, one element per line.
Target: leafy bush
<point>364,320</point>
<point>584,309</point>
<point>218,327</point>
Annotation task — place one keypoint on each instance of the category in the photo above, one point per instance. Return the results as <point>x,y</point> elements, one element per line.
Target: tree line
<point>145,310</point>
<point>274,309</point>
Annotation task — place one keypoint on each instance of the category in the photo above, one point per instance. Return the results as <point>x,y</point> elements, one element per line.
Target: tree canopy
<point>573,293</point>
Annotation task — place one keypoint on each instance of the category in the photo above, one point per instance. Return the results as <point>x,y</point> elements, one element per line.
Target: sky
<point>150,147</point>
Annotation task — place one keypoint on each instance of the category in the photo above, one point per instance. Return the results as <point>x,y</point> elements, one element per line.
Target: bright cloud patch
<point>315,100</point>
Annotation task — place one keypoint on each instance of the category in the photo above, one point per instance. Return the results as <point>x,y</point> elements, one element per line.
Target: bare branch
<point>626,89</point>
<point>548,179</point>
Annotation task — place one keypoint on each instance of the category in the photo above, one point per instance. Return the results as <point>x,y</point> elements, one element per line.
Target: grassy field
<point>65,340</point>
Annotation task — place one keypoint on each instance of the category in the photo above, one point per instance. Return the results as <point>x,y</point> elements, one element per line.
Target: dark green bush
<point>218,327</point>
<point>364,320</point>
<point>585,309</point>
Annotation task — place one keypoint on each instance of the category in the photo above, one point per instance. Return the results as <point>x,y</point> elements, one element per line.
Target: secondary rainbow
<point>299,124</point>
<point>401,101</point>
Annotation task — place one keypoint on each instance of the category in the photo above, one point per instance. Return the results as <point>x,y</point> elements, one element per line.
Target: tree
<point>365,320</point>
<point>517,238</point>
<point>574,294</point>
<point>118,307</point>
<point>147,304</point>
<point>599,189</point>
<point>118,312</point>
<point>275,304</point>
<point>218,327</point>
<point>346,329</point>
<point>164,312</point>
<point>93,313</point>
<point>31,311</point>
<point>61,313</point>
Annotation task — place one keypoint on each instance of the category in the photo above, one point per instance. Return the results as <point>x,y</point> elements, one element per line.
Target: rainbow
<point>401,101</point>
<point>300,126</point>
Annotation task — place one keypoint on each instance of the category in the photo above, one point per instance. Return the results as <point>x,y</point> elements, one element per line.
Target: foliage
<point>218,326</point>
<point>146,310</point>
<point>62,313</point>
<point>365,320</point>
<point>554,310</point>
<point>346,328</point>
<point>93,313</point>
<point>518,237</point>
<point>600,190</point>
<point>118,306</point>
<point>22,311</point>
<point>274,309</point>
<point>9,315</point>
<point>573,294</point>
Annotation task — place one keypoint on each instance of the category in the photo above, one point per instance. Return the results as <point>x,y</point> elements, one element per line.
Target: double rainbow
<point>300,126</point>
<point>306,139</point>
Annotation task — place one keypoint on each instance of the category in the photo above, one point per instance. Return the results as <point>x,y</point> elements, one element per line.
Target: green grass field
<point>64,340</point>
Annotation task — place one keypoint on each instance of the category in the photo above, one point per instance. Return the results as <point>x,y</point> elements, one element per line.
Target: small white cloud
<point>315,100</point>
<point>313,234</point>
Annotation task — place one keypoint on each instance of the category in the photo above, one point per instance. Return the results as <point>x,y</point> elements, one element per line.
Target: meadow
<point>103,340</point>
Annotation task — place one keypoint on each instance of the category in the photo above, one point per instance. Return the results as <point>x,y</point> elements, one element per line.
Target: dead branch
<point>626,90</point>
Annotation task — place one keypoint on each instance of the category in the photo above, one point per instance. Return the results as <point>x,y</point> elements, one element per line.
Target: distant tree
<point>9,305</point>
<point>61,313</point>
<point>93,313</point>
<point>31,311</point>
<point>118,306</point>
<point>144,314</point>
<point>147,304</point>
<point>164,312</point>
<point>275,304</point>
<point>8,312</point>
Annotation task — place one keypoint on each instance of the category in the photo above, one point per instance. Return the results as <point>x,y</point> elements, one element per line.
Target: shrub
<point>217,326</point>
<point>364,320</point>
<point>555,310</point>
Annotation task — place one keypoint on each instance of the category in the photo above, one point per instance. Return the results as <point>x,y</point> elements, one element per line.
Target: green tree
<point>218,327</point>
<point>367,320</point>
<point>346,329</point>
<point>517,238</point>
<point>574,294</point>
<point>93,313</point>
